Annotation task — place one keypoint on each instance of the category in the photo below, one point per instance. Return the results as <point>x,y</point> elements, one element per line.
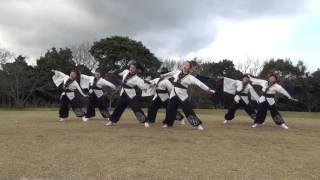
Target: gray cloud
<point>168,27</point>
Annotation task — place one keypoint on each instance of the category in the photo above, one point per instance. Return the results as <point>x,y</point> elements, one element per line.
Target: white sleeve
<point>169,85</point>
<point>259,82</point>
<point>58,77</point>
<point>59,73</point>
<point>198,83</point>
<point>86,77</point>
<point>107,83</point>
<point>141,84</point>
<point>79,89</point>
<point>85,81</point>
<point>253,93</point>
<point>282,91</point>
<point>123,72</point>
<point>154,81</point>
<point>169,74</point>
<point>229,85</point>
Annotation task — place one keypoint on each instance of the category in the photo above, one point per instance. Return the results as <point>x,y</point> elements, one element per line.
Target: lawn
<point>33,144</point>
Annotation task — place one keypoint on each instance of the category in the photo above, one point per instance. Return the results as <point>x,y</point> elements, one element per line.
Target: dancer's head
<point>98,73</point>
<point>245,78</point>
<point>73,75</point>
<point>133,68</point>
<point>188,65</point>
<point>273,78</point>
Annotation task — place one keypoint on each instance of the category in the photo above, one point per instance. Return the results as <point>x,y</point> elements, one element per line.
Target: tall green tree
<point>115,52</point>
<point>20,81</point>
<point>53,59</point>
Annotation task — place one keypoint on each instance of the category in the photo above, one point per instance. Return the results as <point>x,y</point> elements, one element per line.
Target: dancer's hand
<point>211,91</point>
<point>293,99</point>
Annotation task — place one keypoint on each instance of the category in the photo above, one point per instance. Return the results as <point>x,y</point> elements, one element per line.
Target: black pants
<point>95,102</point>
<point>64,107</point>
<point>262,113</point>
<point>155,105</point>
<point>133,103</point>
<point>234,106</point>
<point>186,106</point>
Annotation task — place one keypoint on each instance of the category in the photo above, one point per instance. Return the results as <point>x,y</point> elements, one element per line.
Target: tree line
<point>23,85</point>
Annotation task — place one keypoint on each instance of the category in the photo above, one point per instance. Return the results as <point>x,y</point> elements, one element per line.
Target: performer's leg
<point>277,118</point>
<point>171,111</point>
<point>231,111</point>
<point>64,107</point>
<point>76,108</point>
<point>262,113</point>
<point>153,110</point>
<point>103,107</point>
<point>121,106</point>
<point>135,105</point>
<point>179,116</point>
<point>249,109</point>
<point>190,114</point>
<point>91,107</point>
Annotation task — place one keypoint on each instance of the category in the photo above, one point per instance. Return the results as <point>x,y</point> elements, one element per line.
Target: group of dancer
<point>170,91</point>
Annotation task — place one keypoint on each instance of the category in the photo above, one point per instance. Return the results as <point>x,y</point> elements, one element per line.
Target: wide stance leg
<point>101,104</point>
<point>171,111</point>
<point>76,108</point>
<point>249,109</point>
<point>262,113</point>
<point>190,114</point>
<point>91,112</point>
<point>136,108</point>
<point>277,118</point>
<point>64,107</point>
<point>231,111</point>
<point>121,106</point>
<point>153,110</point>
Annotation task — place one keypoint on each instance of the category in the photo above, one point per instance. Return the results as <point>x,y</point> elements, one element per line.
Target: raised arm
<point>141,84</point>
<point>82,76</point>
<point>123,72</point>
<point>107,83</point>
<point>259,82</point>
<point>58,73</point>
<point>169,74</point>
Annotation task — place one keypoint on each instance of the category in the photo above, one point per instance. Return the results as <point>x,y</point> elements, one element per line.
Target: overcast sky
<point>209,29</point>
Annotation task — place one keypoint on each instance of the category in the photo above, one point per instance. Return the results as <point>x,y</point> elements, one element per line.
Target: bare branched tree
<point>82,56</point>
<point>251,66</point>
<point>6,56</point>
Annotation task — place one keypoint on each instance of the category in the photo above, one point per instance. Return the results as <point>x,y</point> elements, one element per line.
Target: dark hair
<point>164,70</point>
<point>137,65</point>
<point>98,70</point>
<point>274,75</point>
<point>192,63</point>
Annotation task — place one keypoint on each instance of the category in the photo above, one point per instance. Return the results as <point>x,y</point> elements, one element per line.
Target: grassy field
<point>34,145</point>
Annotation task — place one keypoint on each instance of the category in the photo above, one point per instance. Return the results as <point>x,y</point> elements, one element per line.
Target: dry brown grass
<point>34,145</point>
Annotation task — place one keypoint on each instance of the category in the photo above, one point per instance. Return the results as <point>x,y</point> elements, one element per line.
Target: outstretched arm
<point>282,91</point>
<point>201,85</point>
<point>58,73</point>
<point>109,84</point>
<point>259,82</point>
<point>79,89</point>
<point>169,74</point>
